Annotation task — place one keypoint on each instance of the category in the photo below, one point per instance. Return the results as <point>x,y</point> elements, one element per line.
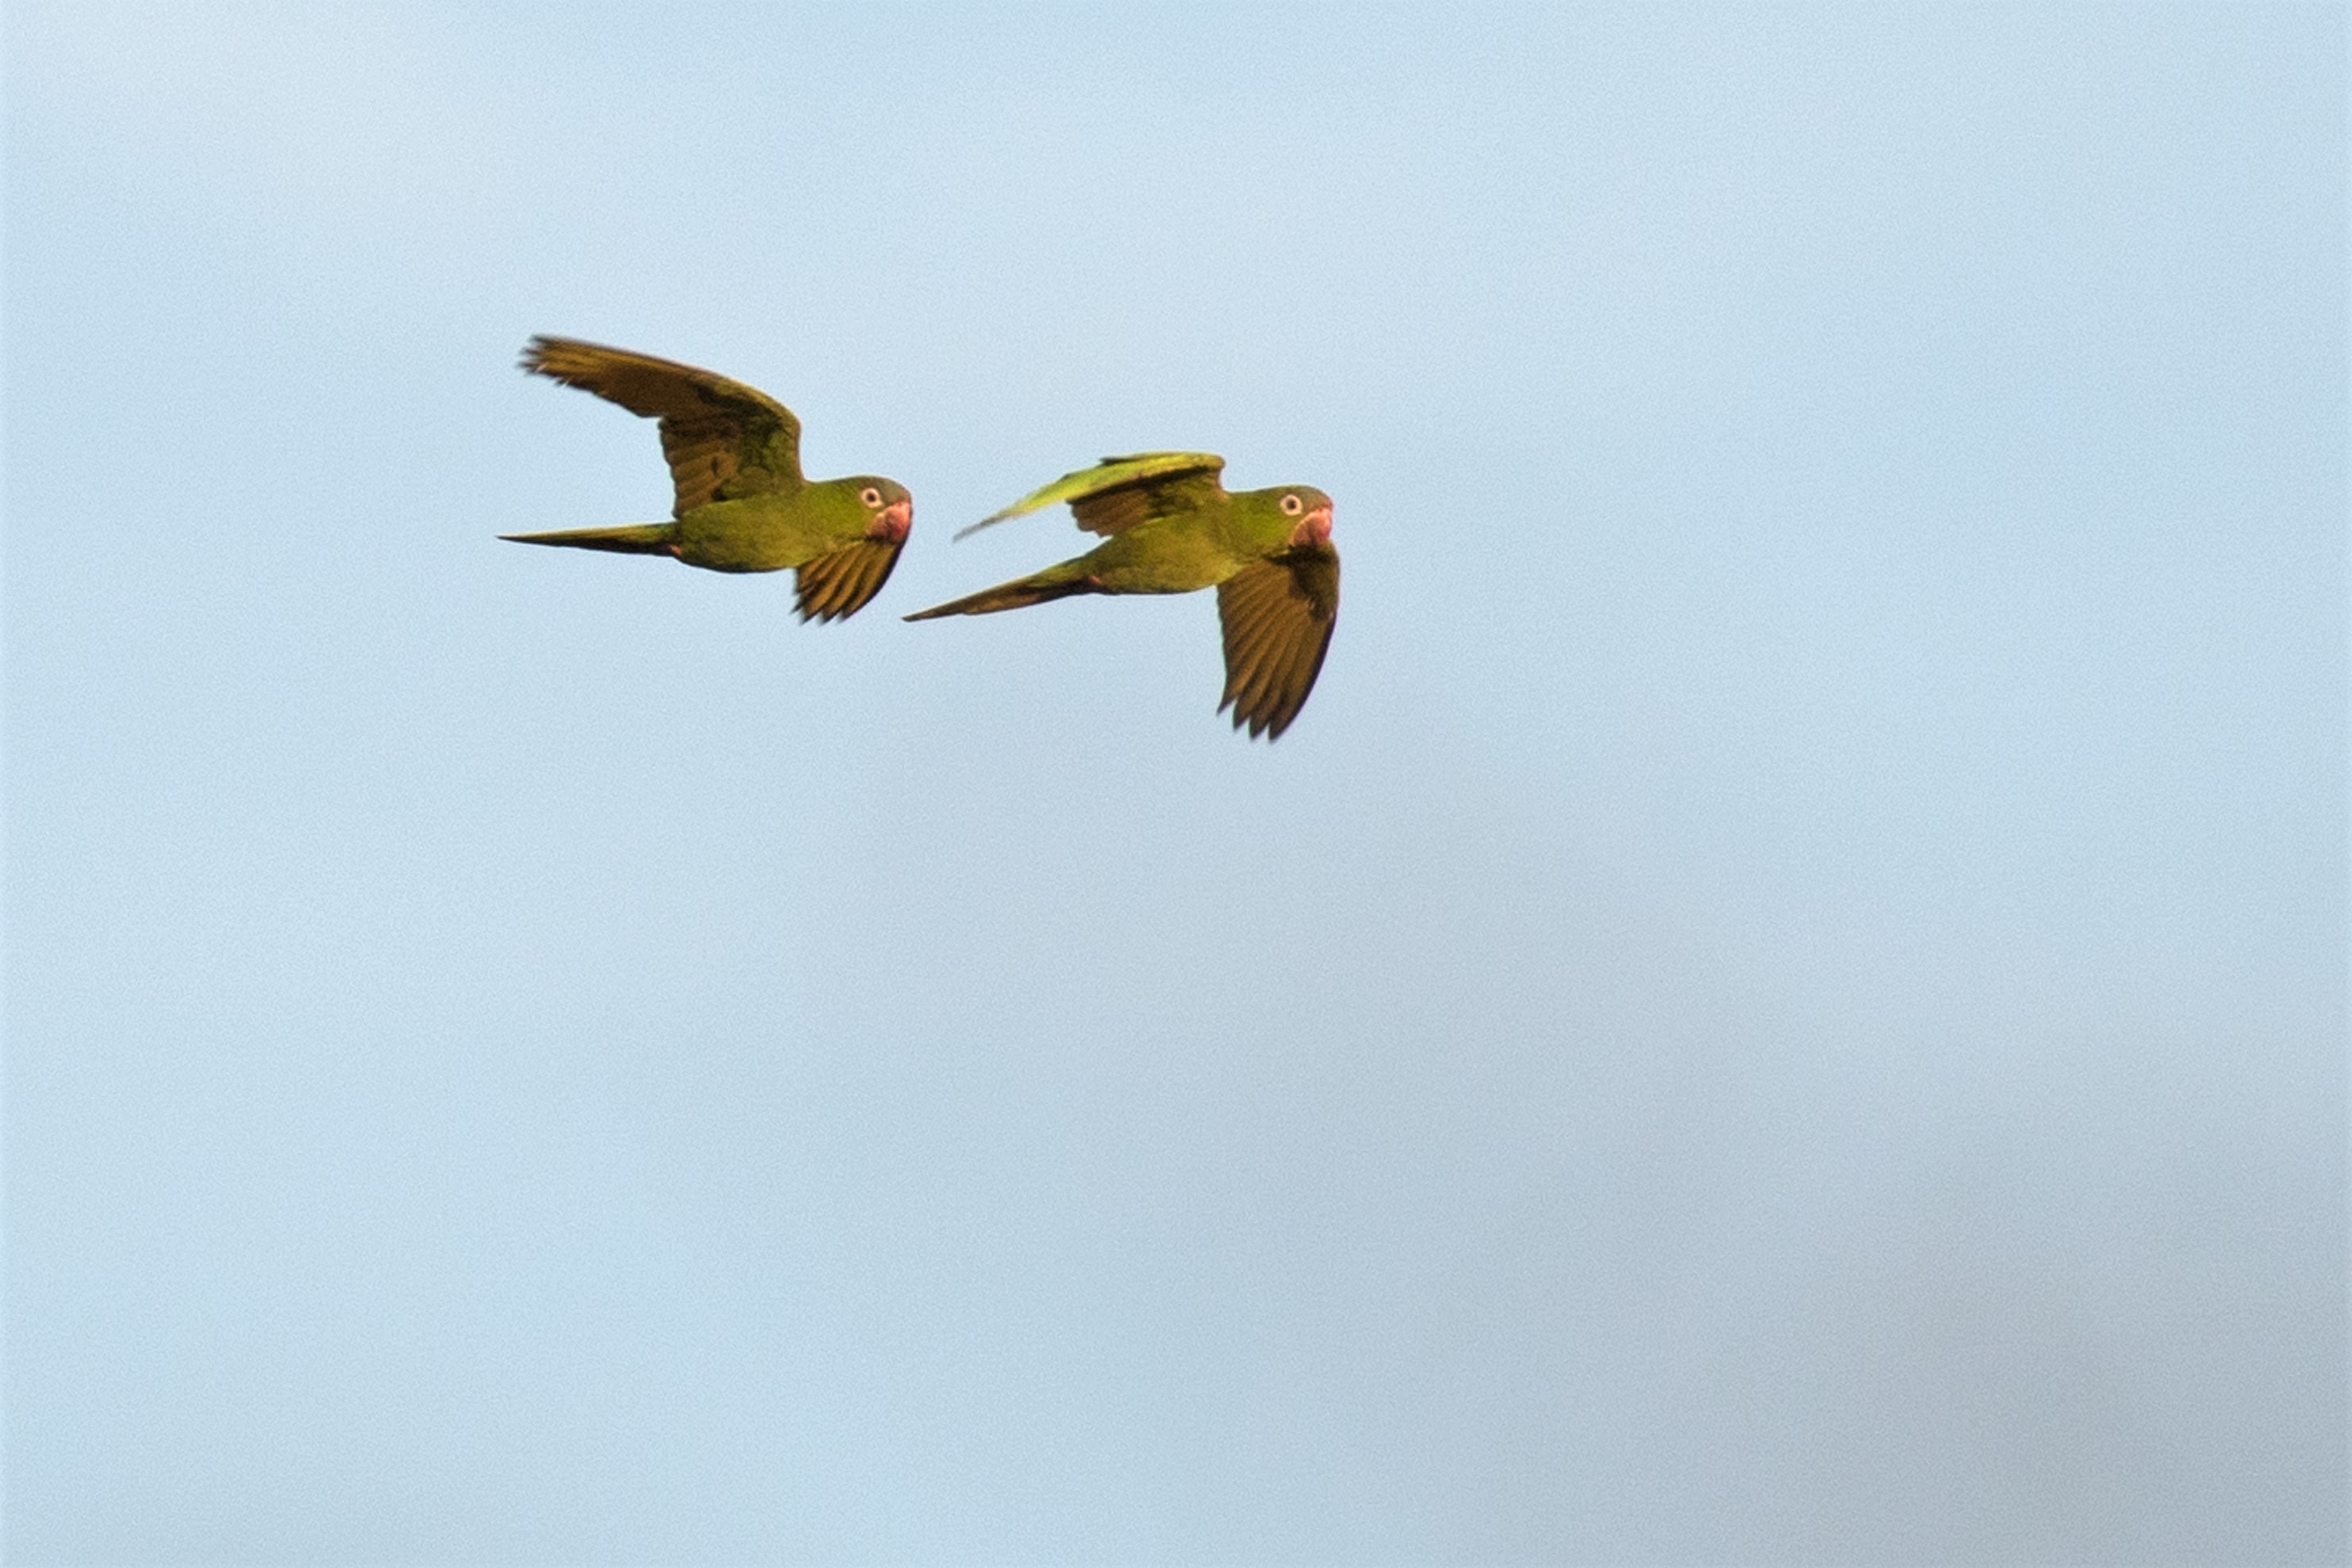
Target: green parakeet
<point>743,503</point>
<point>1171,526</point>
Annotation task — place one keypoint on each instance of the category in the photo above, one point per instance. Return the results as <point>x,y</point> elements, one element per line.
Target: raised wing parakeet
<point>741,504</point>
<point>1171,526</point>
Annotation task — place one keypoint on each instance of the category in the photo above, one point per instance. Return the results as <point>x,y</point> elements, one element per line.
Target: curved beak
<point>893,522</point>
<point>1314,528</point>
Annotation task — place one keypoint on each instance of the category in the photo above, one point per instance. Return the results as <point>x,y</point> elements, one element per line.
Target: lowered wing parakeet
<point>741,504</point>
<point>1171,526</point>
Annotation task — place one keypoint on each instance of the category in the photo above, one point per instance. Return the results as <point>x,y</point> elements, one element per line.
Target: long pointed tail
<point>1053,582</point>
<point>633,538</point>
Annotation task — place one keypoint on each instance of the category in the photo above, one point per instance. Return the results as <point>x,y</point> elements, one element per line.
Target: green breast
<point>759,533</point>
<point>1169,555</point>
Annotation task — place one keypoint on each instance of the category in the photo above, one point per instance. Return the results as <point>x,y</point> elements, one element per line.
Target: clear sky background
<point>1784,1001</point>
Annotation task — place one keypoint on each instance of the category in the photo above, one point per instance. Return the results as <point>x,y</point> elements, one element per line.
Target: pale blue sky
<point>1785,1000</point>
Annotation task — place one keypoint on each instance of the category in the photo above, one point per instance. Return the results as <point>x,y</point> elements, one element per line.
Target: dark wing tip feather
<point>839,583</point>
<point>558,359</point>
<point>577,362</point>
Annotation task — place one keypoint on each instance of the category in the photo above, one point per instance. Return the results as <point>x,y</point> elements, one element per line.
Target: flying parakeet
<point>743,505</point>
<point>1172,527</point>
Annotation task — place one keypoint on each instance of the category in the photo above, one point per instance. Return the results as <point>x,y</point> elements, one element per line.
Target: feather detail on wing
<point>838,584</point>
<point>1120,492</point>
<point>724,440</point>
<point>1277,616</point>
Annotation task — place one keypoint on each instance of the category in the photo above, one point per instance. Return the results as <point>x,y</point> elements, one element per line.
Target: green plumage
<point>1171,526</point>
<point>741,503</point>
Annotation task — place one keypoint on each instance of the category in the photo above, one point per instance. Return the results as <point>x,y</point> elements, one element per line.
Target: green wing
<point>1120,492</point>
<point>838,583</point>
<point>724,440</point>
<point>1277,617</point>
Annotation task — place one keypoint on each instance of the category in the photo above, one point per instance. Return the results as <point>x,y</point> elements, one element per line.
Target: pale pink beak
<point>893,522</point>
<point>1314,528</point>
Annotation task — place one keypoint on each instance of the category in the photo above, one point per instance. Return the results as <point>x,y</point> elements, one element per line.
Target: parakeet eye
<point>1292,505</point>
<point>870,495</point>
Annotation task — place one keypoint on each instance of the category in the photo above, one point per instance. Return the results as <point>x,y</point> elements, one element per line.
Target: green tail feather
<point>632,538</point>
<point>1053,582</point>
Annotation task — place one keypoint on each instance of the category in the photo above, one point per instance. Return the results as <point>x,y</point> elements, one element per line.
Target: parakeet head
<point>890,511</point>
<point>1309,510</point>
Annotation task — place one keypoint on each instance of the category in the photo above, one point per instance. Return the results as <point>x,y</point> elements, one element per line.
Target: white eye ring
<point>870,495</point>
<point>1292,505</point>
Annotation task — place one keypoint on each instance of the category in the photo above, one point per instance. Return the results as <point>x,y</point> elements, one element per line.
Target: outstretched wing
<point>723,439</point>
<point>836,584</point>
<point>1120,492</point>
<point>1277,616</point>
